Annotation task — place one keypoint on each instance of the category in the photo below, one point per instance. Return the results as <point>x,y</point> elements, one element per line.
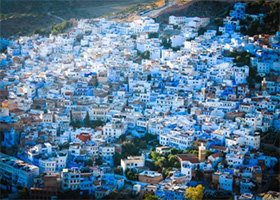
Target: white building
<point>226,181</point>
<point>177,20</point>
<point>71,179</point>
<point>241,74</point>
<point>177,40</point>
<point>114,130</point>
<point>163,150</point>
<point>132,162</point>
<point>105,151</point>
<point>188,163</point>
<point>16,171</point>
<point>235,160</point>
<point>176,140</point>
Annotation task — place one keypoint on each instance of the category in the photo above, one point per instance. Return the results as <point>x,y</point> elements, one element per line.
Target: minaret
<point>201,153</point>
<point>264,85</point>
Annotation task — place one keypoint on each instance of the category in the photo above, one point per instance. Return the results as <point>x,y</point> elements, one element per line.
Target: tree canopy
<point>269,23</point>
<point>117,159</point>
<point>150,197</point>
<point>118,170</point>
<point>153,35</point>
<point>130,149</point>
<point>59,28</point>
<point>89,162</point>
<point>131,175</point>
<point>164,161</point>
<point>194,192</point>
<point>166,43</point>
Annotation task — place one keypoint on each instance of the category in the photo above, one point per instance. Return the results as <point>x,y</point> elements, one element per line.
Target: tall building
<point>16,171</point>
<point>201,153</point>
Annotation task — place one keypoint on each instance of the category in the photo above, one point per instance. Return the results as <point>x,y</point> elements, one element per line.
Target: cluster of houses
<point>194,95</point>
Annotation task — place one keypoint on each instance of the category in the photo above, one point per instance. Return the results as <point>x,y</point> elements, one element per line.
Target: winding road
<point>63,20</point>
<point>154,12</point>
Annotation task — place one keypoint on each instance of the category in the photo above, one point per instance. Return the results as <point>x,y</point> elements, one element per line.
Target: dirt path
<point>155,12</point>
<point>63,20</point>
<point>195,8</point>
<point>175,8</point>
<point>114,7</point>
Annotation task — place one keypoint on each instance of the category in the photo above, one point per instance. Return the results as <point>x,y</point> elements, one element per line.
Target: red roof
<point>221,148</point>
<point>188,157</point>
<point>84,137</point>
<point>216,155</point>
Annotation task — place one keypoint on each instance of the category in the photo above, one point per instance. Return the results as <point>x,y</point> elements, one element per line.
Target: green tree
<point>259,79</point>
<point>59,28</point>
<point>99,161</point>
<point>37,107</point>
<point>193,151</point>
<point>129,148</point>
<point>226,13</point>
<point>162,162</point>
<point>143,144</point>
<point>253,27</point>
<point>112,195</point>
<point>171,160</point>
<point>133,37</point>
<point>270,19</point>
<point>166,43</point>
<point>208,153</point>
<point>148,137</point>
<point>118,170</point>
<point>74,194</point>
<point>241,59</point>
<point>89,162</point>
<point>199,175</point>
<point>79,38</point>
<point>177,164</point>
<point>155,155</point>
<point>243,30</point>
<point>54,32</point>
<point>153,35</point>
<point>24,194</point>
<point>166,172</point>
<point>122,137</point>
<point>117,159</point>
<point>174,151</point>
<point>86,120</point>
<point>131,175</point>
<point>219,33</point>
<point>201,31</point>
<point>218,21</point>
<point>97,123</point>
<point>39,31</point>
<point>150,197</point>
<point>251,82</point>
<point>64,146</point>
<point>194,192</point>
<point>149,77</point>
<point>77,124</point>
<point>253,72</point>
<point>145,55</point>
<point>177,48</point>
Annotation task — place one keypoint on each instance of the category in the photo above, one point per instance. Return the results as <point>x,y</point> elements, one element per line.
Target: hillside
<point>21,17</point>
<point>195,8</point>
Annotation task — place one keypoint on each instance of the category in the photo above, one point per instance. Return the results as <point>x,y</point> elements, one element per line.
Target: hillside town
<point>138,110</point>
